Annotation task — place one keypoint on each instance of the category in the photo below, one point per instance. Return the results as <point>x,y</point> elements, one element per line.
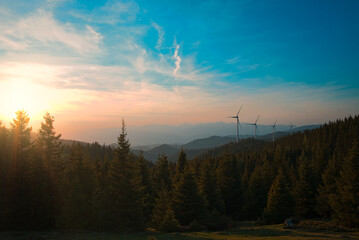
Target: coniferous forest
<point>45,184</point>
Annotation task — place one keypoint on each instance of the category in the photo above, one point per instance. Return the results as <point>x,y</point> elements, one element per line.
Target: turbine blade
<point>275,123</point>
<point>257,118</point>
<point>239,110</point>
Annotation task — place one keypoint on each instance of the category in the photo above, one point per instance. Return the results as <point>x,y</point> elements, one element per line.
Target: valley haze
<point>166,134</point>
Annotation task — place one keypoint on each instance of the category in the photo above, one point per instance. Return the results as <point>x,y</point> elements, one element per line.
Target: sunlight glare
<point>22,95</point>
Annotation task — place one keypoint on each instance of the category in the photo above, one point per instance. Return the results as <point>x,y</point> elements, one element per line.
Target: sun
<point>22,94</point>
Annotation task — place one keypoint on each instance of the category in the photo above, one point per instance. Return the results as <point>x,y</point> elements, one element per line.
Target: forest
<point>46,184</point>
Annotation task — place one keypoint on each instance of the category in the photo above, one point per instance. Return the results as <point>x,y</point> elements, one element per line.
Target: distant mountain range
<point>199,146</point>
<point>192,148</point>
<point>155,135</point>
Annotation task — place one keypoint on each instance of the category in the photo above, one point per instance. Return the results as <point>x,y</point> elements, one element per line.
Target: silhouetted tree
<point>327,188</point>
<point>163,217</point>
<point>161,175</point>
<point>305,189</point>
<point>229,183</point>
<point>78,185</point>
<point>143,174</point>
<point>209,190</point>
<point>345,202</point>
<point>124,188</point>
<point>187,202</point>
<point>280,201</point>
<point>18,195</point>
<point>180,165</point>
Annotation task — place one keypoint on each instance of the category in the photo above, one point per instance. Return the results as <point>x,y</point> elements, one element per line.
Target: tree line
<point>45,184</point>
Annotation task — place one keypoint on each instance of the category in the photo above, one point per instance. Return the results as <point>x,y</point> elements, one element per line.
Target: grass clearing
<point>243,231</point>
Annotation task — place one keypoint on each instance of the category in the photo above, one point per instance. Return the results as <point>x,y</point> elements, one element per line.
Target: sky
<point>92,63</point>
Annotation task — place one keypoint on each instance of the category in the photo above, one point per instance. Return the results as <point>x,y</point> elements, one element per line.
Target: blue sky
<point>91,63</point>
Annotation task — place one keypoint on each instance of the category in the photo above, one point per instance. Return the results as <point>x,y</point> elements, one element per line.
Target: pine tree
<point>4,146</point>
<point>209,190</point>
<point>229,183</point>
<point>161,175</point>
<point>42,196</point>
<point>101,197</point>
<point>258,188</point>
<point>305,189</point>
<point>346,202</point>
<point>124,189</point>
<point>50,149</point>
<point>163,217</point>
<point>181,163</point>
<point>327,188</point>
<point>49,143</point>
<point>78,184</point>
<point>143,173</point>
<point>20,132</point>
<point>18,183</point>
<point>278,159</point>
<point>187,202</point>
<point>280,201</point>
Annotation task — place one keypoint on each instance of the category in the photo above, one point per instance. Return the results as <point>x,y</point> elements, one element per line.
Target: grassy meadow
<point>243,231</point>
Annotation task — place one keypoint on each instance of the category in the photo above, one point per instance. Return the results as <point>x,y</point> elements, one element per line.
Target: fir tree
<point>50,150</point>
<point>181,163</point>
<point>209,190</point>
<point>257,192</point>
<point>229,183</point>
<point>101,197</point>
<point>280,201</point>
<point>20,132</point>
<point>143,173</point>
<point>126,202</point>
<point>161,175</point>
<point>39,207</point>
<point>327,188</point>
<point>345,202</point>
<point>4,146</point>
<point>78,186</point>
<point>187,202</point>
<point>163,217</point>
<point>49,143</point>
<point>305,189</point>
<point>18,193</point>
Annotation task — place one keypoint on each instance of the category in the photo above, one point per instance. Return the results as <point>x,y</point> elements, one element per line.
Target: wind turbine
<point>238,124</point>
<point>291,127</point>
<point>255,127</point>
<point>273,127</point>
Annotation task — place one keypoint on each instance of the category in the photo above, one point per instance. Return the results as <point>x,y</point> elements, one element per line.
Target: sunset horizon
<point>182,120</point>
<point>91,63</point>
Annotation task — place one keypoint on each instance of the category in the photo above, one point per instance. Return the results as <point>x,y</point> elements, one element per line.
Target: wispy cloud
<point>103,67</point>
<point>234,60</point>
<point>120,11</point>
<point>113,12</point>
<point>177,60</point>
<point>161,34</point>
<point>241,65</point>
<point>196,44</point>
<point>55,3</point>
<point>41,30</point>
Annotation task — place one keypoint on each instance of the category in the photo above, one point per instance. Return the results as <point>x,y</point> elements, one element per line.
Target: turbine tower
<point>273,127</point>
<point>291,127</point>
<point>238,124</point>
<point>255,127</point>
